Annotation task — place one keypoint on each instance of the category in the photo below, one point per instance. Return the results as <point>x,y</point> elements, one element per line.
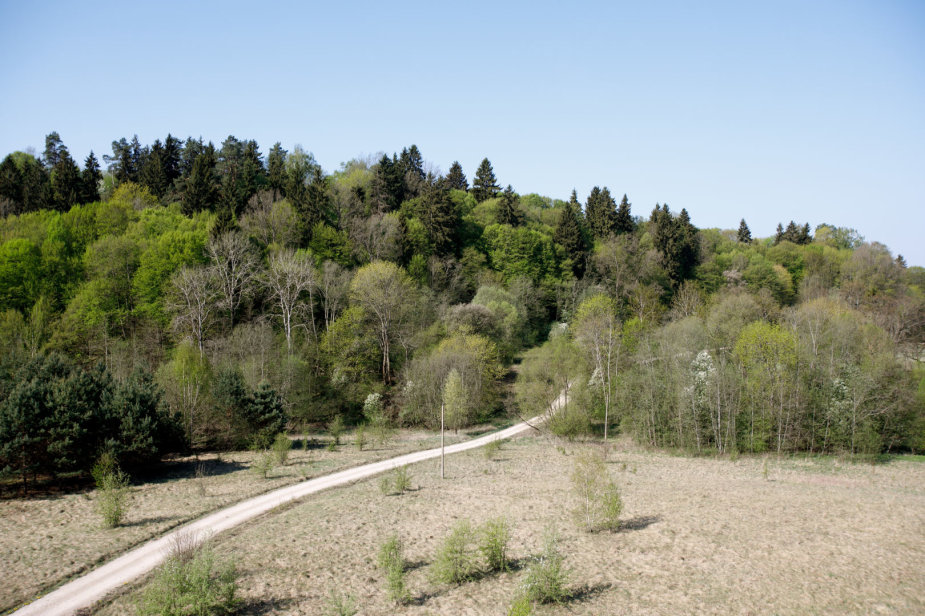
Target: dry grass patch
<point>697,536</point>
<point>47,540</point>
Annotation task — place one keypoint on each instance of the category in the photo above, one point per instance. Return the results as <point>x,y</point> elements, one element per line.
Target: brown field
<point>700,535</point>
<point>44,541</point>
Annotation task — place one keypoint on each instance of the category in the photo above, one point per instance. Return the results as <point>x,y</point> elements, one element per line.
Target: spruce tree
<point>388,184</point>
<point>65,181</point>
<point>171,159</point>
<point>456,179</point>
<point>745,234</point>
<point>779,234</point>
<point>568,234</point>
<point>508,211</point>
<point>153,175</point>
<point>485,185</point>
<point>440,220</point>
<point>601,212</point>
<point>201,191</point>
<point>276,169</point>
<point>53,149</point>
<point>11,185</point>
<point>623,222</point>
<point>90,179</point>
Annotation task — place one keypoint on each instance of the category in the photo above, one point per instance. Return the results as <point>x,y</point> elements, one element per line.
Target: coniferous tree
<point>601,212</point>
<point>569,235</point>
<point>411,170</point>
<point>171,159</point>
<point>779,234</point>
<point>90,179</point>
<point>201,191</point>
<point>677,241</point>
<point>153,174</point>
<point>440,220</point>
<point>65,181</point>
<point>745,234</point>
<point>36,188</point>
<point>509,212</point>
<point>623,222</point>
<point>53,150</point>
<point>388,184</point>
<point>485,185</point>
<point>10,187</point>
<point>276,169</point>
<point>456,178</point>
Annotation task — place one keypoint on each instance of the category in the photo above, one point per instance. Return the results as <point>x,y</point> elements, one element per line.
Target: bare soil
<point>47,540</point>
<point>700,535</point>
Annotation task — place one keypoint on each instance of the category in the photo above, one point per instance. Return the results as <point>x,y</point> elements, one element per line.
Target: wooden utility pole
<point>442,455</point>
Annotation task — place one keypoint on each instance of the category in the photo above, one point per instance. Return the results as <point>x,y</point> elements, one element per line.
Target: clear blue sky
<point>812,111</point>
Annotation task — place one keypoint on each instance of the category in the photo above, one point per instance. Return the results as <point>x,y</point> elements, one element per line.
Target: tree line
<point>248,286</point>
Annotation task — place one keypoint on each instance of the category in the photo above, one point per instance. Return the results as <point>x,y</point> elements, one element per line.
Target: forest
<point>192,296</point>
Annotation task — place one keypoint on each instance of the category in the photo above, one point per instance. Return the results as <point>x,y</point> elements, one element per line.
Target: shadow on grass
<point>259,607</point>
<point>184,469</point>
<point>586,593</point>
<point>639,522</point>
<point>150,520</point>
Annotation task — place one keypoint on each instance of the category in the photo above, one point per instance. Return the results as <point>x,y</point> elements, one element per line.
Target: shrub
<point>359,437</point>
<point>598,498</point>
<point>112,487</point>
<point>547,576</point>
<point>336,429</point>
<point>398,482</point>
<point>494,536</point>
<point>455,561</point>
<point>521,607</point>
<point>281,446</point>
<point>392,562</point>
<point>340,605</point>
<point>263,464</point>
<point>492,449</point>
<point>194,585</point>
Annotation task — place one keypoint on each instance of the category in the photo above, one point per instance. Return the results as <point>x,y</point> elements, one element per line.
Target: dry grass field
<point>700,536</point>
<point>47,540</point>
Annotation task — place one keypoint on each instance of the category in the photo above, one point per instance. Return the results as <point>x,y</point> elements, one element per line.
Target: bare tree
<point>288,279</point>
<point>335,283</point>
<point>272,223</point>
<point>235,268</point>
<point>597,331</point>
<point>192,300</point>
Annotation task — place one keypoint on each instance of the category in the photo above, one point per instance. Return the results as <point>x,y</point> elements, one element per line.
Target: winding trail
<point>85,591</point>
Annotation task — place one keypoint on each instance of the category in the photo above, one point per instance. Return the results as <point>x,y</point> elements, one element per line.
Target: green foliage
<point>485,185</point>
<point>112,490</point>
<point>492,449</point>
<point>336,429</point>
<point>521,607</point>
<point>494,537</point>
<point>280,448</point>
<point>398,482</point>
<point>598,504</point>
<point>547,576</point>
<point>392,562</point>
<point>455,561</point>
<point>20,274</point>
<point>340,605</point>
<point>520,251</point>
<point>263,464</point>
<point>196,584</point>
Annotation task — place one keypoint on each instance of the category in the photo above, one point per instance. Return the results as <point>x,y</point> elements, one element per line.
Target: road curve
<point>85,591</point>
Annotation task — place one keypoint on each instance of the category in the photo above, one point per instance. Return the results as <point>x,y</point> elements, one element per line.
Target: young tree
<point>597,332</point>
<point>485,185</point>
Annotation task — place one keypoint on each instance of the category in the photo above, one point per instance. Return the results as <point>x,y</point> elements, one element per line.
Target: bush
<point>492,449</point>
<point>392,562</point>
<point>455,561</point>
<point>112,487</point>
<point>340,605</point>
<point>397,483</point>
<point>359,437</point>
<point>336,429</point>
<point>547,576</point>
<point>281,446</point>
<point>494,535</point>
<point>194,585</point>
<point>598,497</point>
<point>521,607</point>
<point>263,464</point>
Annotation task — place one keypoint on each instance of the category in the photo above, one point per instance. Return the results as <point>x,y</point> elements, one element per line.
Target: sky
<point>811,111</point>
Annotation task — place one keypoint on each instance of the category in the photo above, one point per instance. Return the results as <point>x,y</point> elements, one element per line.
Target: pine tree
<point>53,149</point>
<point>569,235</point>
<point>745,235</point>
<point>779,234</point>
<point>456,178</point>
<point>65,181</point>
<point>623,222</point>
<point>485,185</point>
<point>508,211</point>
<point>90,179</point>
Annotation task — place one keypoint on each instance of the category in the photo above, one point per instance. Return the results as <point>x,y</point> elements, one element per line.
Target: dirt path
<point>85,591</point>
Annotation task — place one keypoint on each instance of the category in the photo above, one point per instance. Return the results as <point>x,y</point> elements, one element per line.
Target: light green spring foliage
<point>547,576</point>
<point>336,429</point>
<point>112,490</point>
<point>597,498</point>
<point>392,562</point>
<point>281,446</point>
<point>456,559</point>
<point>263,464</point>
<point>521,607</point>
<point>340,605</point>
<point>398,482</point>
<point>494,537</point>
<point>196,586</point>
